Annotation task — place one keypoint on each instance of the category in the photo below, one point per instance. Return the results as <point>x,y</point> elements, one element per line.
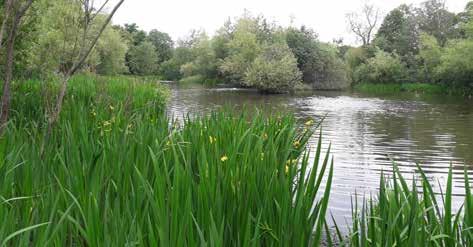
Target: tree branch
<point>92,45</point>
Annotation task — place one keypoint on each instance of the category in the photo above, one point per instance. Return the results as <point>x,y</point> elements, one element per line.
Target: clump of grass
<point>405,215</point>
<point>377,88</point>
<point>118,173</point>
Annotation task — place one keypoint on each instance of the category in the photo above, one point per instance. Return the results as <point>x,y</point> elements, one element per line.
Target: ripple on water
<point>366,134</point>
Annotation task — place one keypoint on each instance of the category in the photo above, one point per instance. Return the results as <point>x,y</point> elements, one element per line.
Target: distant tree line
<point>425,44</point>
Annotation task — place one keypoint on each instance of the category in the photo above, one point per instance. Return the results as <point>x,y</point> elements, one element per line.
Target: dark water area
<point>366,132</point>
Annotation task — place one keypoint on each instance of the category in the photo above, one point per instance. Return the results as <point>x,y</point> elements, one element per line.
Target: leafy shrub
<point>143,59</point>
<point>274,71</point>
<point>456,65</point>
<point>382,68</point>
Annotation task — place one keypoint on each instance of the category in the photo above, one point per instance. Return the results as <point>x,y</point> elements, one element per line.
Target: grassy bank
<point>422,88</point>
<point>118,172</point>
<point>419,88</point>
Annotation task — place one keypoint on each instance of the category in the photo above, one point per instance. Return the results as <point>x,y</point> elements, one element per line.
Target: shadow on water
<point>366,132</point>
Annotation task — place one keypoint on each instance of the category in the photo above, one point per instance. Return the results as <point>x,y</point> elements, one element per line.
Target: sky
<point>326,17</point>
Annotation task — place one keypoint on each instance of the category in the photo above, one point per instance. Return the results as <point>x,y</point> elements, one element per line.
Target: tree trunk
<point>6,16</point>
<point>6,85</point>
<point>60,99</point>
<point>85,51</point>
<point>55,113</point>
<point>5,108</point>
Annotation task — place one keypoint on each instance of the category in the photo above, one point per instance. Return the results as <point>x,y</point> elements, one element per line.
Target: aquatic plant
<point>116,171</point>
<point>411,215</point>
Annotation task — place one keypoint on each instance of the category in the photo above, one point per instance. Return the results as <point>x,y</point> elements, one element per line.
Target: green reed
<point>116,171</point>
<point>411,214</point>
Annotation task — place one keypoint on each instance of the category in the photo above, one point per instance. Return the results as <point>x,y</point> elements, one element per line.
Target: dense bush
<point>430,54</point>
<point>111,50</point>
<point>143,59</point>
<point>382,68</point>
<point>456,65</point>
<point>204,62</point>
<point>274,70</point>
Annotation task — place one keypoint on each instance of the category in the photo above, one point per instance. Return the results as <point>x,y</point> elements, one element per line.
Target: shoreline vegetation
<point>225,179</point>
<point>417,88</point>
<point>88,156</point>
<point>117,171</point>
<point>257,52</point>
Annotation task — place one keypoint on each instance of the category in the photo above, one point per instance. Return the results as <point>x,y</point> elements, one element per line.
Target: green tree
<point>57,33</point>
<point>163,44</point>
<point>398,32</point>
<point>466,21</point>
<point>274,70</point>
<point>204,62</point>
<point>111,49</point>
<point>434,19</point>
<point>143,59</point>
<point>320,63</point>
<point>333,72</point>
<point>430,54</point>
<point>355,57</point>
<point>382,68</point>
<point>304,44</point>
<point>136,35</point>
<point>220,42</point>
<point>248,36</point>
<point>171,69</point>
<point>456,65</point>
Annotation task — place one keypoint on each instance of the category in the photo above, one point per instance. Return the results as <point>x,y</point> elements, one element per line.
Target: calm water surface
<point>366,132</point>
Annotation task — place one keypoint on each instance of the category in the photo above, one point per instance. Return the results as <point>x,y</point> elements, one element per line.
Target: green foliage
<point>305,46</point>
<point>171,69</point>
<point>435,20</point>
<point>456,65</point>
<point>430,56</point>
<point>404,215</point>
<point>143,59</point>
<point>428,44</point>
<point>204,62</point>
<point>52,38</point>
<point>117,172</point>
<point>333,72</point>
<point>135,35</point>
<point>421,88</point>
<point>111,50</point>
<point>243,49</point>
<point>192,80</point>
<point>354,57</point>
<point>274,70</point>
<point>163,44</point>
<point>57,34</point>
<point>382,68</point>
<point>398,32</point>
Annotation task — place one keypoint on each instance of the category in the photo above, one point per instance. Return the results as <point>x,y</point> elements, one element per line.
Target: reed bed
<point>117,172</point>
<point>411,214</point>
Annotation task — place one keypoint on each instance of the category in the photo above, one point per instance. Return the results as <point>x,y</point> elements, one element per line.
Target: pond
<point>366,132</point>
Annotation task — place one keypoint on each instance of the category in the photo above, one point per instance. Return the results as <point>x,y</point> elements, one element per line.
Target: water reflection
<point>366,133</point>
